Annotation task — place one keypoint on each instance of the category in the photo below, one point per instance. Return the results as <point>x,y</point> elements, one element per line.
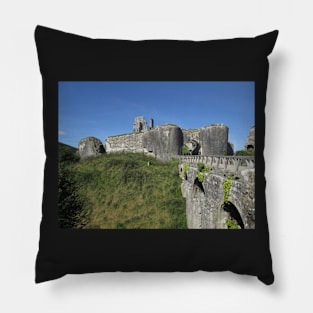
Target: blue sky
<point>103,109</point>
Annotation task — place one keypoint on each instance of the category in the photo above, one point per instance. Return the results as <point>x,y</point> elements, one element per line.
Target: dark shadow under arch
<point>198,184</point>
<point>234,213</point>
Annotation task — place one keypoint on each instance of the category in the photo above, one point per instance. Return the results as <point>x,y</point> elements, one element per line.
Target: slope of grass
<point>122,191</point>
<point>67,153</point>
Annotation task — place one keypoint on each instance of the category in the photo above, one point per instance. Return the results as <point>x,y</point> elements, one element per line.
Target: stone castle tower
<point>140,125</point>
<point>151,123</point>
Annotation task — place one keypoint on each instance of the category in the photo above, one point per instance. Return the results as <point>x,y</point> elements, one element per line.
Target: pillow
<point>169,195</point>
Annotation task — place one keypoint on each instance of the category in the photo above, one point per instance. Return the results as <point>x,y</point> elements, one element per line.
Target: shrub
<point>200,166</point>
<point>69,202</point>
<point>200,176</point>
<point>67,153</point>
<point>186,166</point>
<point>68,156</point>
<point>203,168</point>
<point>227,185</point>
<point>232,224</point>
<point>185,150</point>
<point>244,153</point>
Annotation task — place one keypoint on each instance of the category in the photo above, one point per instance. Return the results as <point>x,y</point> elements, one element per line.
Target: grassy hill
<point>67,153</point>
<point>117,191</point>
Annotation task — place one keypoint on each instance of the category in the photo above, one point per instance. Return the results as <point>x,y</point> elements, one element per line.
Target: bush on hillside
<point>120,191</point>
<point>70,203</point>
<point>244,153</point>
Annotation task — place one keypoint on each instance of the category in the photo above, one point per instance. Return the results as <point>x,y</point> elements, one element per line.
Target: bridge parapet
<point>231,164</point>
<point>205,194</point>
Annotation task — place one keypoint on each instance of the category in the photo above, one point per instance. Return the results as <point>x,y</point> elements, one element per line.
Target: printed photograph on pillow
<point>156,155</point>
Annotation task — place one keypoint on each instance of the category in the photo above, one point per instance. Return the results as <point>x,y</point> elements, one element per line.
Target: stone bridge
<point>204,190</point>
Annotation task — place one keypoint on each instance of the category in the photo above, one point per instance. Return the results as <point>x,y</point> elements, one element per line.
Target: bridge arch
<point>234,213</point>
<point>198,184</point>
<point>204,193</point>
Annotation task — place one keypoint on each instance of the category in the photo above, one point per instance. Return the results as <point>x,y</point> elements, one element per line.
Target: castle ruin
<point>140,125</point>
<point>207,145</point>
<point>166,141</point>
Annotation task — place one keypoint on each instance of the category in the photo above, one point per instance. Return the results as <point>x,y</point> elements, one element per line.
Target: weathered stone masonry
<point>125,143</point>
<point>250,142</point>
<point>166,141</point>
<point>191,134</point>
<point>204,200</point>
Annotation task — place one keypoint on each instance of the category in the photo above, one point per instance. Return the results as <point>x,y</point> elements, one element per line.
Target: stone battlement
<point>232,164</point>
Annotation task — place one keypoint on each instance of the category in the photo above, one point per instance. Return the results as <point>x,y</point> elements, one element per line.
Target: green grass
<point>122,191</point>
<point>67,153</point>
<point>185,150</point>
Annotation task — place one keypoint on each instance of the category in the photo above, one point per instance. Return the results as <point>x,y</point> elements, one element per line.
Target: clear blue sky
<point>103,109</point>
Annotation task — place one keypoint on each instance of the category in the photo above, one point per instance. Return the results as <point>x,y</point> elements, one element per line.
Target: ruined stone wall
<point>203,208</point>
<point>250,142</point>
<point>204,205</point>
<point>214,140</point>
<point>242,195</point>
<point>191,134</point>
<point>140,124</point>
<point>125,143</point>
<point>165,141</point>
